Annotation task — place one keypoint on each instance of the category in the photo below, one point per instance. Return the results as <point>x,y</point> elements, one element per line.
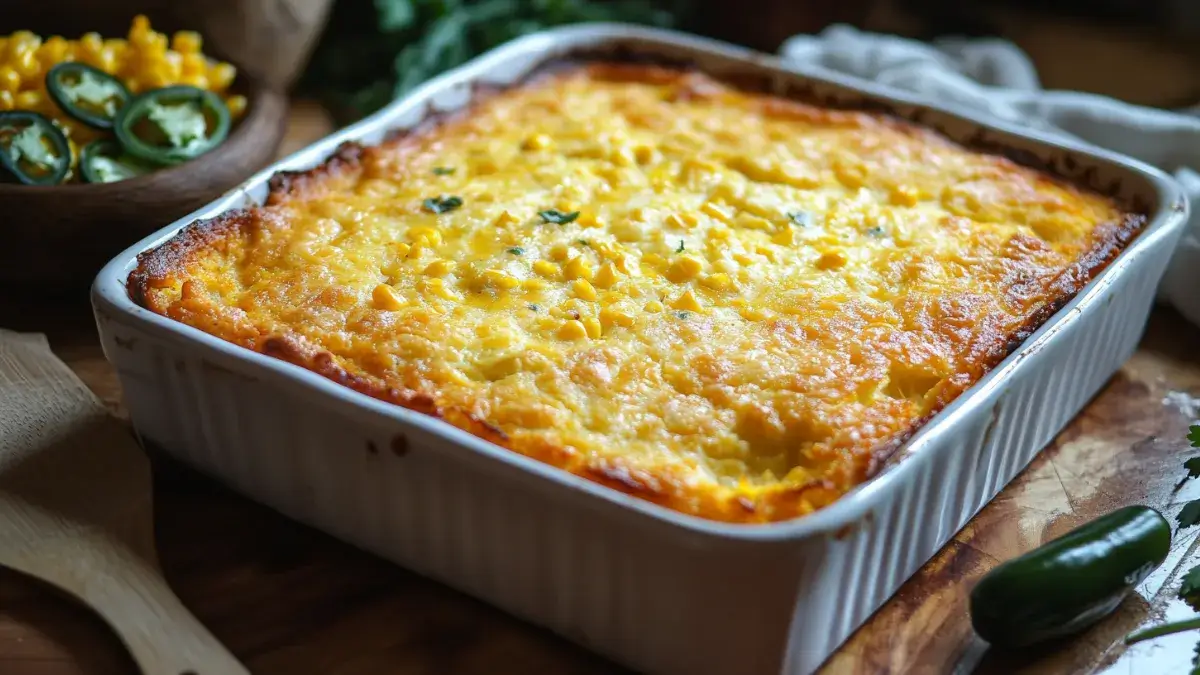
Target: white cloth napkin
<point>996,77</point>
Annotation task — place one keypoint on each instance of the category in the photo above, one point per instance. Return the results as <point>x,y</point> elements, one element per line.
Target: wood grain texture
<point>59,236</point>
<point>75,511</point>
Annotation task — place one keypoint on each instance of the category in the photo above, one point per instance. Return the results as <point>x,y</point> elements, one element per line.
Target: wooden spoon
<point>75,511</point>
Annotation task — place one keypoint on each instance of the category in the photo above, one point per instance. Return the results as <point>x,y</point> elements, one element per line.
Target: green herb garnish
<point>683,315</point>
<point>442,204</point>
<point>800,218</point>
<point>558,217</point>
<point>1189,588</point>
<point>516,250</point>
<point>680,249</point>
<point>876,231</point>
<point>534,306</point>
<point>583,242</point>
<point>443,170</point>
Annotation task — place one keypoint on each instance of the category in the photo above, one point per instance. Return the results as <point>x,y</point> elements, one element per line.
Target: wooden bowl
<point>57,238</point>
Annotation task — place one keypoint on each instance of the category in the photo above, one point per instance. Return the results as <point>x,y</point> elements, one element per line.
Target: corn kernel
<point>172,62</point>
<point>439,268</point>
<point>29,100</point>
<point>506,218</point>
<point>684,268</point>
<point>753,222</point>
<point>187,42</point>
<point>106,60</point>
<point>427,235</point>
<point>584,290</point>
<point>195,64</point>
<point>26,64</point>
<point>139,28</point>
<point>534,285</point>
<point>6,100</point>
<point>438,287</point>
<point>91,43</point>
<point>577,268</point>
<point>653,306</point>
<point>765,251</point>
<point>221,75</point>
<point>156,76</point>
<point>607,276</point>
<point>743,259</point>
<point>851,173</point>
<point>23,39</point>
<point>905,195</point>
<point>645,154</point>
<point>719,212</point>
<point>687,301</point>
<point>573,330</point>
<point>537,142</point>
<point>559,252</point>
<point>501,279</point>
<point>615,317</point>
<point>593,327</point>
<point>623,156</point>
<point>831,260</point>
<point>197,81</point>
<point>719,233</point>
<point>52,52</point>
<point>385,298</point>
<point>785,237</point>
<point>718,281</point>
<point>237,105</point>
<point>10,79</point>
<point>754,314</point>
<point>627,265</point>
<point>676,221</point>
<point>401,248</point>
<point>546,268</point>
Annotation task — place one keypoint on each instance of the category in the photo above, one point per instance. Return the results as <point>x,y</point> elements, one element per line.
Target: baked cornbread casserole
<point>728,303</point>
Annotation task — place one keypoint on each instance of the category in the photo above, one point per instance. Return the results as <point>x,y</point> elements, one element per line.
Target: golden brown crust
<point>167,265</point>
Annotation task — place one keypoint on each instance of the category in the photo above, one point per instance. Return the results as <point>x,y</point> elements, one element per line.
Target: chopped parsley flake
<point>877,231</point>
<point>516,250</point>
<point>558,217</point>
<point>800,218</point>
<point>680,249</point>
<point>683,315</point>
<point>442,204</point>
<point>534,306</point>
<point>583,242</point>
<point>443,170</point>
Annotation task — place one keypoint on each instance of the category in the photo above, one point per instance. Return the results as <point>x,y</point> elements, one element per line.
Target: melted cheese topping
<point>728,303</point>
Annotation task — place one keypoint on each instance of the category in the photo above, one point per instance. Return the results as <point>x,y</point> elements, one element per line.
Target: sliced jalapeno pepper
<point>32,150</point>
<point>172,125</point>
<point>87,94</point>
<point>105,161</point>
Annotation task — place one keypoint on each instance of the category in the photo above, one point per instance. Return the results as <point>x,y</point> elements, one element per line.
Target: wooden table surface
<point>288,600</point>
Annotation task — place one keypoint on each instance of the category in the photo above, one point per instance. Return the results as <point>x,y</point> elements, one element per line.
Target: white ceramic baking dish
<point>656,590</point>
